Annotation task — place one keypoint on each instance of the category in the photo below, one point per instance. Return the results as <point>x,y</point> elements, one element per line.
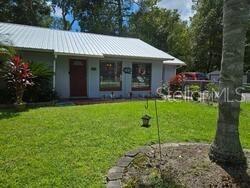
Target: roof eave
<point>78,55</point>
<point>33,49</point>
<point>175,64</point>
<point>136,57</point>
<point>98,56</point>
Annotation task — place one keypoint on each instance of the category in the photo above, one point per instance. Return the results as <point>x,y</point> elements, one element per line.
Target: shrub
<point>41,79</point>
<point>18,76</point>
<point>163,90</point>
<point>7,96</point>
<point>176,83</point>
<point>42,90</point>
<point>212,89</point>
<point>40,93</point>
<point>6,53</point>
<point>195,89</point>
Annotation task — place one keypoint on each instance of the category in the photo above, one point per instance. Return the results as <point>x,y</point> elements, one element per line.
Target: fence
<point>201,83</point>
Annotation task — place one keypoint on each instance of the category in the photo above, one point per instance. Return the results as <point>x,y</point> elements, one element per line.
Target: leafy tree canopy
<point>163,29</point>
<point>206,29</point>
<point>106,17</point>
<point>206,36</point>
<point>35,12</point>
<point>74,8</point>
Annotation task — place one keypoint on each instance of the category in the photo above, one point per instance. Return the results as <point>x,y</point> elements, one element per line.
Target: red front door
<point>78,78</point>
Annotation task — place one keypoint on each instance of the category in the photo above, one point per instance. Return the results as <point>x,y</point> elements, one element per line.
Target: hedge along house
<point>92,65</point>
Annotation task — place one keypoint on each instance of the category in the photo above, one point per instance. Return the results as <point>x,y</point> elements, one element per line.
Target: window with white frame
<point>110,76</point>
<point>141,76</point>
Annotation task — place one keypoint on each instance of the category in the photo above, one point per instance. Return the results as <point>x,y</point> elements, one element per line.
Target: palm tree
<point>226,147</point>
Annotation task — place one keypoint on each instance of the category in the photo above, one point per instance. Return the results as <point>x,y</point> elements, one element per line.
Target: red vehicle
<point>180,80</point>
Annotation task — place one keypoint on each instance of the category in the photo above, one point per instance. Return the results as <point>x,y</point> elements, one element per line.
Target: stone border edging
<point>115,174</point>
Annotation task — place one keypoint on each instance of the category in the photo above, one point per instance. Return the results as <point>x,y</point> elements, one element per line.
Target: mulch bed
<point>182,165</point>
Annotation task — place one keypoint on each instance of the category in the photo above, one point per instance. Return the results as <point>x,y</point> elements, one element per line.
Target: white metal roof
<point>79,44</point>
<point>175,61</point>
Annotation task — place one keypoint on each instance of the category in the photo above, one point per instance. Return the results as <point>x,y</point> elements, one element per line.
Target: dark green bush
<point>42,91</point>
<point>6,96</point>
<point>212,89</point>
<point>195,89</point>
<point>6,52</point>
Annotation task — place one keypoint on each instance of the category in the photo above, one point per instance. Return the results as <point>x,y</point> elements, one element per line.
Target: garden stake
<point>146,106</point>
<point>159,138</point>
<point>146,118</point>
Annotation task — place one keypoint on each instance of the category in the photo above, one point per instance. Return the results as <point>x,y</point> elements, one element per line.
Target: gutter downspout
<point>163,73</point>
<point>54,71</point>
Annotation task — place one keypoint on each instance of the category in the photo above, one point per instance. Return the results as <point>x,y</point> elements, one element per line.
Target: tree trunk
<point>65,22</point>
<point>19,94</point>
<point>226,147</point>
<point>209,61</point>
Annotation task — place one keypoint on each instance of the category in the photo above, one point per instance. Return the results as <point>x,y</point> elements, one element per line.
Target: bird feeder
<point>145,121</point>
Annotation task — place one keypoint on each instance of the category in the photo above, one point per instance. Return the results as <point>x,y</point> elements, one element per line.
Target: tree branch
<point>71,24</point>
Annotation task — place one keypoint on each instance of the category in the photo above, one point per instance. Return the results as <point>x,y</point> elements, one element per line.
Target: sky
<point>184,7</point>
<point>58,13</point>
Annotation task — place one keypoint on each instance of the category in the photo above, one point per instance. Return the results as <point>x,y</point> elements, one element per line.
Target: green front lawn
<point>76,145</point>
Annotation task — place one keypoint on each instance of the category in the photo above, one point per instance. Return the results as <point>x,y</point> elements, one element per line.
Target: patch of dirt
<point>183,166</point>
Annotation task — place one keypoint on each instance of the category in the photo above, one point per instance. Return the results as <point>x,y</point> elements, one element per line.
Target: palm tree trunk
<point>226,147</point>
<point>19,94</point>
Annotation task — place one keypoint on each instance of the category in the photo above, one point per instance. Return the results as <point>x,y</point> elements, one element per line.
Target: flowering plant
<point>18,76</point>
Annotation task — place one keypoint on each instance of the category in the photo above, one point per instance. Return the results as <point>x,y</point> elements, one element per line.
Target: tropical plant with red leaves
<point>18,76</point>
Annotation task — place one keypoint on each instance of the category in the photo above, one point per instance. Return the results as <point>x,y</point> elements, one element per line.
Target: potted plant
<point>19,77</point>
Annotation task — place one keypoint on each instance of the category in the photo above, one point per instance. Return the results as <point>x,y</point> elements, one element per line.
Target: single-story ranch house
<point>93,65</point>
